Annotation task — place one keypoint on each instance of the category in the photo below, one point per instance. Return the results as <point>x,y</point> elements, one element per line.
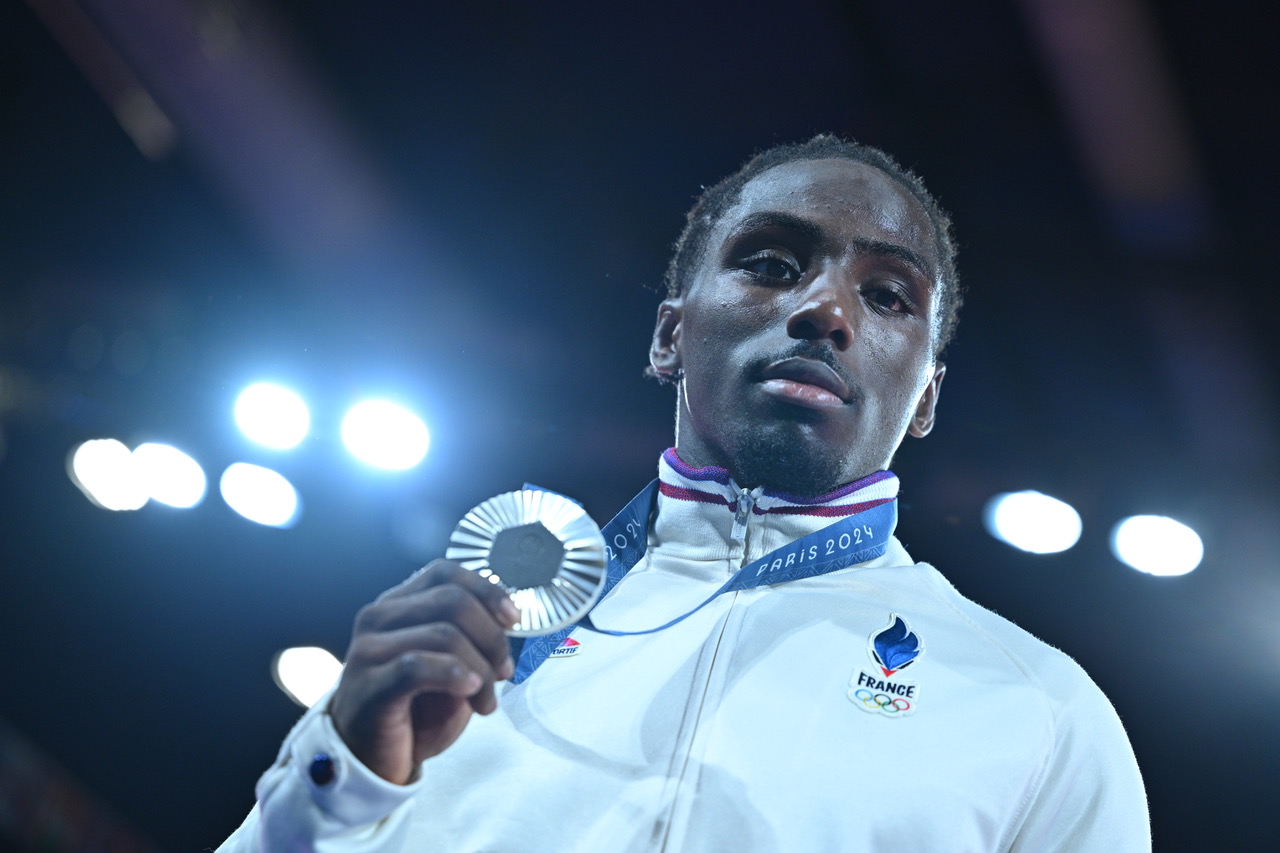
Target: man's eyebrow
<point>766,219</point>
<point>894,250</point>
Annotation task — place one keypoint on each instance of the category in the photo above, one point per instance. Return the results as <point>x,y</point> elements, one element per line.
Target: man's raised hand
<point>423,657</point>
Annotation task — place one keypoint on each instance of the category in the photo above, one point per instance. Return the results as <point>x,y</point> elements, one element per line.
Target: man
<point>862,705</point>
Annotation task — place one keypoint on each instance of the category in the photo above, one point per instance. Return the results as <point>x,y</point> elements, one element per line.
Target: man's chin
<point>783,462</point>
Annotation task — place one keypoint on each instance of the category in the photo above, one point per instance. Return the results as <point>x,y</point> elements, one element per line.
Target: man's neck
<point>675,457</point>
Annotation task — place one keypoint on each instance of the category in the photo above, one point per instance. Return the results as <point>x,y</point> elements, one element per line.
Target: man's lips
<point>805,381</point>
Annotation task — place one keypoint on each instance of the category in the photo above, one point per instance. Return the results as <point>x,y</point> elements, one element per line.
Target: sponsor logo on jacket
<point>569,647</point>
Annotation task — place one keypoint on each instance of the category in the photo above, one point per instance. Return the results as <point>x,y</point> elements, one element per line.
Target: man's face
<point>806,334</point>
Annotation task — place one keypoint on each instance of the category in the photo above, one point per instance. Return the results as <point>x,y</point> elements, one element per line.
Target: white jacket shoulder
<point>1090,795</point>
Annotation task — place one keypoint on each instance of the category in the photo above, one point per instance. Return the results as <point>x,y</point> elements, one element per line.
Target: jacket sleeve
<point>354,811</point>
<point>1091,798</point>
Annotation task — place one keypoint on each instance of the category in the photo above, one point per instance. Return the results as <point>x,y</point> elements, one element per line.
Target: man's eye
<point>888,299</point>
<point>771,267</point>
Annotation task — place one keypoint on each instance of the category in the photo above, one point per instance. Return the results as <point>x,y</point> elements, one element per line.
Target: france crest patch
<point>893,648</point>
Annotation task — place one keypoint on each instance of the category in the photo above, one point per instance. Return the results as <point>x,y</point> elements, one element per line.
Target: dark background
<point>470,210</point>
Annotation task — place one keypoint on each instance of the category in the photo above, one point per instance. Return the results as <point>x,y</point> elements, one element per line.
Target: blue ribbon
<point>854,539</point>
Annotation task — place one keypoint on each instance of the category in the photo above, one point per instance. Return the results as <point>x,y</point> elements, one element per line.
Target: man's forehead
<point>862,197</point>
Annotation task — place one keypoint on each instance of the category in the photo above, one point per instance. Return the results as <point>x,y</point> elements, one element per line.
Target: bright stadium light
<point>107,473</point>
<point>384,435</point>
<point>169,475</point>
<point>273,416</point>
<point>1157,545</point>
<point>1034,522</point>
<point>259,494</point>
<point>305,673</point>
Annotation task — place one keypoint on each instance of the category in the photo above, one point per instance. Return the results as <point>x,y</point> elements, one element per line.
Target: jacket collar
<point>714,485</point>
<point>696,508</point>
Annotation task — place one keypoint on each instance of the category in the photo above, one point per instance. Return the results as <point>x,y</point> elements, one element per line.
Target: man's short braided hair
<point>716,200</point>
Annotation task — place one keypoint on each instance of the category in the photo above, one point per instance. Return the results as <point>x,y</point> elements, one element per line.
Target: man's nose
<point>825,312</point>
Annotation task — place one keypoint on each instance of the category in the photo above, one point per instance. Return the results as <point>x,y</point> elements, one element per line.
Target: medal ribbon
<point>854,539</point>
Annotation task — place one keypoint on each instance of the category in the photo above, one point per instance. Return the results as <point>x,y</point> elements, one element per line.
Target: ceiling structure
<point>470,209</point>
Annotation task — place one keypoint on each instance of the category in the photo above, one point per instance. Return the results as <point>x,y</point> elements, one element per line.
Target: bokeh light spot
<point>260,494</point>
<point>107,473</point>
<point>1157,545</point>
<point>384,435</point>
<point>306,673</point>
<point>272,416</point>
<point>169,475</point>
<point>1034,522</point>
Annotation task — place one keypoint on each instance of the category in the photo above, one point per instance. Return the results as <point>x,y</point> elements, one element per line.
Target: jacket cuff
<point>342,788</point>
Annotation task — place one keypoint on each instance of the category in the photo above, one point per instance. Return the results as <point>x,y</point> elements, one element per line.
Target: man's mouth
<point>805,382</point>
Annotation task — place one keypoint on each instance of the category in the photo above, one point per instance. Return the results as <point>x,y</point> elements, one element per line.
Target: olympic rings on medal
<point>882,701</point>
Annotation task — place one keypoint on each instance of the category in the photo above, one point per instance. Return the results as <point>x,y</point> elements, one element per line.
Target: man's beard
<point>781,462</point>
<point>777,455</point>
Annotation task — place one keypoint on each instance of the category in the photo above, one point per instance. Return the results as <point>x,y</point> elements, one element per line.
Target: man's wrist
<point>339,784</point>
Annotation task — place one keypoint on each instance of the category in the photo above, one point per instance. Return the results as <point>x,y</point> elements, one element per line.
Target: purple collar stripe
<point>710,472</point>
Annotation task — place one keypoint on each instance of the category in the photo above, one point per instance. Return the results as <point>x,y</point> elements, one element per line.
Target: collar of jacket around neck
<point>714,485</point>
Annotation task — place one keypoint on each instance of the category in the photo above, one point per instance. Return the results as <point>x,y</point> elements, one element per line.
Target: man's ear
<point>922,422</point>
<point>664,351</point>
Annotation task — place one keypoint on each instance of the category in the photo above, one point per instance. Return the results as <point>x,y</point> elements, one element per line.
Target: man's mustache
<point>817,351</point>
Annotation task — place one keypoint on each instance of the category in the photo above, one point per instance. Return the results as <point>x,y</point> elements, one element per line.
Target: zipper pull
<point>746,500</point>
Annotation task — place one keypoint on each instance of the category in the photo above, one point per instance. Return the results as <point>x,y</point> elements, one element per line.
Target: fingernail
<point>472,682</point>
<point>509,611</point>
<point>507,669</point>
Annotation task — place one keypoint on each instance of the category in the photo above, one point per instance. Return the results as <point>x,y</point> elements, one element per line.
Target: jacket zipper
<point>745,503</point>
<point>741,515</point>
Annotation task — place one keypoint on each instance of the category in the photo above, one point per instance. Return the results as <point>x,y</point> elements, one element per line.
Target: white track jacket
<point>763,722</point>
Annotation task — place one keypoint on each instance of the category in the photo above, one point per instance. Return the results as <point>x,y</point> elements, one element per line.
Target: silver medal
<point>543,548</point>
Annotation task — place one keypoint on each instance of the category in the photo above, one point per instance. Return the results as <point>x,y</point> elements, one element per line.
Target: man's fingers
<point>439,572</point>
<point>417,672</point>
<point>450,604</point>
<point>375,649</point>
